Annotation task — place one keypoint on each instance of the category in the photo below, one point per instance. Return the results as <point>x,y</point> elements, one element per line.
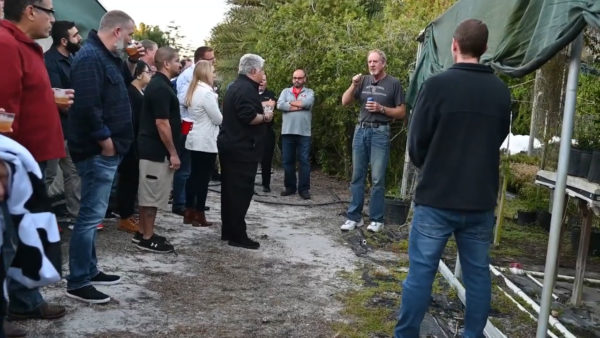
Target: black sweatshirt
<point>459,121</point>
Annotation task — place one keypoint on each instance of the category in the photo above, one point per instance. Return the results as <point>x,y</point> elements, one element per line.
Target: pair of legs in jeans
<point>369,146</point>
<point>296,146</point>
<point>97,174</point>
<point>431,228</point>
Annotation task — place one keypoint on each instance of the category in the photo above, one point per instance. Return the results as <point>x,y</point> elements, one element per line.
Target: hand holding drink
<point>135,50</point>
<point>356,79</point>
<point>6,121</point>
<point>63,98</point>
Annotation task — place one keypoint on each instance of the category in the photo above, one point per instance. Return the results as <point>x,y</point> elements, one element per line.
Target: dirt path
<point>286,289</point>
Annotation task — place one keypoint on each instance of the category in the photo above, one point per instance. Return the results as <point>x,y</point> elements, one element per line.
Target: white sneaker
<point>375,226</point>
<point>350,225</point>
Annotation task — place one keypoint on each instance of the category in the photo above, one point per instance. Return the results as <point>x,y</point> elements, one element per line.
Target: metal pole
<point>561,182</point>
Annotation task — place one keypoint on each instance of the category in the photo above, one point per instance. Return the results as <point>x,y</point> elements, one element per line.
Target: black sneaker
<point>104,279</point>
<point>137,237</point>
<point>88,294</point>
<point>245,243</point>
<point>154,244</point>
<point>266,188</point>
<point>178,211</point>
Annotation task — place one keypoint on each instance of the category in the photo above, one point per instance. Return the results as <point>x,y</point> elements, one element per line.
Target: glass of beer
<point>60,96</point>
<point>132,49</point>
<point>6,121</point>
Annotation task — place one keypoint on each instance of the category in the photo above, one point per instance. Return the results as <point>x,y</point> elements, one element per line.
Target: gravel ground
<point>287,288</point>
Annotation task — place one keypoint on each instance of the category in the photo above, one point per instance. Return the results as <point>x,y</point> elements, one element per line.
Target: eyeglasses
<point>297,78</point>
<point>50,11</point>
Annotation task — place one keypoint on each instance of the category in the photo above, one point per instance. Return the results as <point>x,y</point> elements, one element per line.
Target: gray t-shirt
<point>387,92</point>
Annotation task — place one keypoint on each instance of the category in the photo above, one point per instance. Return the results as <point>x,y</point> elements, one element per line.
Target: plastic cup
<point>267,108</point>
<point>186,126</point>
<point>6,121</point>
<point>60,96</point>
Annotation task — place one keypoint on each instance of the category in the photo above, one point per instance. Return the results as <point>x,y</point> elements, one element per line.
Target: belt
<point>368,124</point>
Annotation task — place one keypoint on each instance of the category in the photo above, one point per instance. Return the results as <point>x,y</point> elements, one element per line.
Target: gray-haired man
<point>240,149</point>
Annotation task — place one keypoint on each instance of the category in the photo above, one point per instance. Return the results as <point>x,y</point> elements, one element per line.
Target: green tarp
<point>524,34</point>
<point>85,13</point>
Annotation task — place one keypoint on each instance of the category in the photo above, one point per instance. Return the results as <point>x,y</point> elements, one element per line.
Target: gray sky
<point>195,17</point>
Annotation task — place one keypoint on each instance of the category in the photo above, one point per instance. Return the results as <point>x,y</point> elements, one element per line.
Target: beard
<point>73,47</point>
<point>120,47</point>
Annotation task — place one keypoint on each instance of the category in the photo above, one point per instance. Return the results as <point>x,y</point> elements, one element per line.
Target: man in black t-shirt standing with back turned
<point>160,130</point>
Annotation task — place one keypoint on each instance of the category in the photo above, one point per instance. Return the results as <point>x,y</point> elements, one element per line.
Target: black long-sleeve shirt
<point>239,139</point>
<point>459,121</point>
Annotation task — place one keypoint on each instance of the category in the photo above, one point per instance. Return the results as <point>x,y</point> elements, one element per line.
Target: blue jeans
<point>430,231</point>
<point>370,145</point>
<point>181,175</point>
<point>97,175</point>
<point>296,146</point>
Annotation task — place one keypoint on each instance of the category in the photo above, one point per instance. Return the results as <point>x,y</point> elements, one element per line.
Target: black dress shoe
<point>206,208</point>
<point>245,243</point>
<point>304,194</point>
<point>288,192</point>
<point>266,188</point>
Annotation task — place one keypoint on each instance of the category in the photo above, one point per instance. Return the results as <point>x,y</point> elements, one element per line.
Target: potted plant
<point>396,208</point>
<point>580,158</point>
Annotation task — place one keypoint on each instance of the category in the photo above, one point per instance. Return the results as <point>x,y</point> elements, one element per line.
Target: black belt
<point>368,124</point>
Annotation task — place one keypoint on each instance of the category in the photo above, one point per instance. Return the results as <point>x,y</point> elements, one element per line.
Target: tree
<point>172,37</point>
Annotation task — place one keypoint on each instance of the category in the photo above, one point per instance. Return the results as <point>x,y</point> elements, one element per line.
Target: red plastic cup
<point>186,126</point>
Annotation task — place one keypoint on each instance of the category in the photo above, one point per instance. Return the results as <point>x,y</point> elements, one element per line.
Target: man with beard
<point>160,132</point>
<point>66,41</point>
<point>100,134</point>
<point>382,100</point>
<point>296,104</point>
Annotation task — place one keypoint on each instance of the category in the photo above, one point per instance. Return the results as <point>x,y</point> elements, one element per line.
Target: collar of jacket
<point>19,35</point>
<point>95,39</point>
<point>245,77</point>
<point>477,67</point>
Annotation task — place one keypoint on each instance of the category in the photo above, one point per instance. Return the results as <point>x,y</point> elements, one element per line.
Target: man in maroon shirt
<point>25,91</point>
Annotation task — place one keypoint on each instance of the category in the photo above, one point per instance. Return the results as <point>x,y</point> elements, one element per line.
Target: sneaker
<point>375,226</point>
<point>100,227</point>
<point>178,211</point>
<point>244,243</point>
<point>350,225</point>
<point>88,294</point>
<point>266,188</point>
<point>137,237</point>
<point>155,244</point>
<point>104,279</point>
<point>71,226</point>
<point>128,225</point>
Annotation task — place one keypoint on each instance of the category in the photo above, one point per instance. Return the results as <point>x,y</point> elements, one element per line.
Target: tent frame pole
<point>560,187</point>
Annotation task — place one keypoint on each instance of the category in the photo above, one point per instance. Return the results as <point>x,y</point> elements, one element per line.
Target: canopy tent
<point>524,35</point>
<point>85,13</point>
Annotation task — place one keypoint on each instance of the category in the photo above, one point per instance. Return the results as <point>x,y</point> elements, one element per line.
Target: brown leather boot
<point>189,215</point>
<point>200,220</point>
<point>11,330</point>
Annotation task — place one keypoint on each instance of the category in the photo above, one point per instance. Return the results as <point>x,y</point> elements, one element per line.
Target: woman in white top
<point>201,101</point>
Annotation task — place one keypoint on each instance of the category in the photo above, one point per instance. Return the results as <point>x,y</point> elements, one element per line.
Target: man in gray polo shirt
<point>296,104</point>
<point>382,100</point>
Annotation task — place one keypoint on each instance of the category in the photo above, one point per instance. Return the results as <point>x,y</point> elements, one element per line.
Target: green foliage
<point>330,40</point>
<point>172,37</point>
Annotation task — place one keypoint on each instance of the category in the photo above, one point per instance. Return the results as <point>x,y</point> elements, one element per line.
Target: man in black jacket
<point>241,145</point>
<point>460,119</point>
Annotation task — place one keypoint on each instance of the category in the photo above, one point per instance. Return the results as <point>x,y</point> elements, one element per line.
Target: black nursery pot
<point>526,217</point>
<point>594,172</point>
<point>543,219</point>
<point>574,159</point>
<point>584,163</point>
<point>396,210</point>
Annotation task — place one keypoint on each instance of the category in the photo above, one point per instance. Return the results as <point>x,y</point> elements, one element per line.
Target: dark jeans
<point>197,184</point>
<point>237,188</point>
<point>296,146</point>
<point>181,175</point>
<point>127,185</point>
<point>431,228</point>
<point>267,159</point>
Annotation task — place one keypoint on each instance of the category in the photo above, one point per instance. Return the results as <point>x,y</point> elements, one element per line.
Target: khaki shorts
<point>156,180</point>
